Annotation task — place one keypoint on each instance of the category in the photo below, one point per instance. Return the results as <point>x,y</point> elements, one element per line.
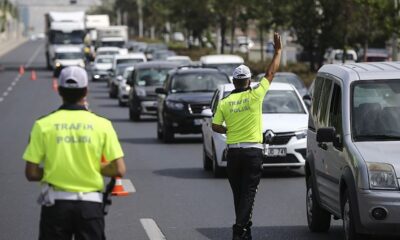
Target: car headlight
<point>81,64</point>
<point>127,88</point>
<point>174,105</point>
<point>140,92</point>
<point>301,134</point>
<point>382,176</point>
<point>58,64</point>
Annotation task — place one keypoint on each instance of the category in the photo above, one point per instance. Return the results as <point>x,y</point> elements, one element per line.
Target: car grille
<point>290,158</point>
<point>197,108</point>
<point>281,138</point>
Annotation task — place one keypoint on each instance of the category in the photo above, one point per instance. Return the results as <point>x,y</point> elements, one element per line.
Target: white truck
<point>94,22</point>
<point>63,28</point>
<point>113,36</point>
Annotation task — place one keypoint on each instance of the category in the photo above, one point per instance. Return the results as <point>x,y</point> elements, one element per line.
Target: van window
<point>319,81</point>
<point>335,111</point>
<point>324,103</point>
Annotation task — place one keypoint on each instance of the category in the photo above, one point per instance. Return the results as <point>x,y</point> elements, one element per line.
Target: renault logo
<point>269,136</point>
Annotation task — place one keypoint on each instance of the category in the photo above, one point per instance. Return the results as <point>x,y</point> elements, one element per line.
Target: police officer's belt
<point>79,196</point>
<point>246,145</point>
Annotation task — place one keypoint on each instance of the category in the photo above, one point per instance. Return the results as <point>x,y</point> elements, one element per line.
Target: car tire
<point>217,170</point>
<point>319,220</point>
<point>168,134</point>
<point>159,131</point>
<point>120,103</point>
<point>349,227</point>
<point>133,115</point>
<point>207,161</point>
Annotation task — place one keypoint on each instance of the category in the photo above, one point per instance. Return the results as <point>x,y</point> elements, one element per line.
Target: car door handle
<point>323,146</point>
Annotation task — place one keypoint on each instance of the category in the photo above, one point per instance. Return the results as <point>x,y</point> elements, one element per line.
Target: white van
<point>335,56</point>
<point>225,63</point>
<point>68,56</point>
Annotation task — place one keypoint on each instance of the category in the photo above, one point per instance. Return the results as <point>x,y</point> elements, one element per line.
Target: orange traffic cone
<point>21,70</point>
<point>33,75</point>
<point>55,85</point>
<point>119,189</point>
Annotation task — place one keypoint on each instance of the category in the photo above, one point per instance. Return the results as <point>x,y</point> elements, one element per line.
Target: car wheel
<point>207,161</point>
<point>159,131</point>
<point>319,220</point>
<point>133,115</point>
<point>168,134</point>
<point>121,103</point>
<point>217,170</point>
<point>348,219</point>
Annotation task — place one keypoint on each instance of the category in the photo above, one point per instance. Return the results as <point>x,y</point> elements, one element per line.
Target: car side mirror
<point>161,91</point>
<point>326,135</point>
<point>207,113</point>
<point>307,97</point>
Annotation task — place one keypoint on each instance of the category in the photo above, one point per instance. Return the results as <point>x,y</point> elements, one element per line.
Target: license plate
<point>198,122</point>
<point>276,152</point>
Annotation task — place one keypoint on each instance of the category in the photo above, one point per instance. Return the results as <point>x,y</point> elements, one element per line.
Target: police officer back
<point>241,111</point>
<point>64,153</point>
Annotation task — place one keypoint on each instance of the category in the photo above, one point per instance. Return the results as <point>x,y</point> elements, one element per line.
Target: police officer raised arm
<point>241,111</point>
<point>64,153</point>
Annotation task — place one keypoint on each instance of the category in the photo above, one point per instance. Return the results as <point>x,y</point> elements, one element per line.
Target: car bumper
<point>368,200</point>
<point>148,107</point>
<point>185,124</point>
<point>295,154</point>
<point>100,76</point>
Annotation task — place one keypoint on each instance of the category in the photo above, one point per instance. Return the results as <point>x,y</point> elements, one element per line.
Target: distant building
<point>32,11</point>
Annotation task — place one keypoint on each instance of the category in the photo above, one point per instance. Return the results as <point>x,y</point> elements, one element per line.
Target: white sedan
<point>285,122</point>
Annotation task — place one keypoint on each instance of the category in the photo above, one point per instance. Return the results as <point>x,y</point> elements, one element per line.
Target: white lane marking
<point>30,61</point>
<point>128,185</point>
<point>18,77</point>
<point>152,230</point>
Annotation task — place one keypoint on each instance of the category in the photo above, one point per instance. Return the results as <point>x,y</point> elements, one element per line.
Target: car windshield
<point>104,60</point>
<point>282,101</point>
<point>69,55</point>
<point>226,68</point>
<point>151,76</point>
<point>129,60</point>
<point>376,110</point>
<point>127,73</point>
<point>339,56</point>
<point>107,53</point>
<point>119,44</point>
<point>292,79</point>
<point>58,37</point>
<point>198,82</point>
<point>121,68</point>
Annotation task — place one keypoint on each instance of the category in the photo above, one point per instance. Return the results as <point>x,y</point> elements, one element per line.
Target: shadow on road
<point>139,140</point>
<point>282,173</point>
<point>275,233</point>
<point>184,173</point>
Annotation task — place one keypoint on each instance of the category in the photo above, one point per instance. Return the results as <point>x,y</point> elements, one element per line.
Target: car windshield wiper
<point>377,137</point>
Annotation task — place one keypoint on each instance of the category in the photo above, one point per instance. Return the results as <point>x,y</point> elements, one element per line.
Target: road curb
<point>10,45</point>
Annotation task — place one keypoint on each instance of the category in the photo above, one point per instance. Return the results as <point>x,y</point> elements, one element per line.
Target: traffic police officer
<point>64,153</point>
<point>242,113</point>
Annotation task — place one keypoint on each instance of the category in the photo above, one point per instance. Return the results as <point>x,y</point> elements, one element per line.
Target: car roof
<point>130,56</point>
<point>108,49</point>
<point>156,64</point>
<point>68,49</point>
<point>185,70</point>
<point>221,59</point>
<point>351,72</point>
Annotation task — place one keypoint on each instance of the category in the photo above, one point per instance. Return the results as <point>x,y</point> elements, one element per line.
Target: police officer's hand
<point>277,42</point>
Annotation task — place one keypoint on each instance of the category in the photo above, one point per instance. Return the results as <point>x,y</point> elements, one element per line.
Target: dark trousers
<point>244,173</point>
<point>82,220</point>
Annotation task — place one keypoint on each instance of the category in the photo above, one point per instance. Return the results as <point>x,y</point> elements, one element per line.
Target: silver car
<point>352,166</point>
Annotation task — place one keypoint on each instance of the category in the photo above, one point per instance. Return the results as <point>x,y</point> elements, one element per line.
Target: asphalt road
<point>172,189</point>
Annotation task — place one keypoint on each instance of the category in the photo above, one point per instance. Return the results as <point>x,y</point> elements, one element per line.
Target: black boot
<point>239,232</point>
<point>248,231</point>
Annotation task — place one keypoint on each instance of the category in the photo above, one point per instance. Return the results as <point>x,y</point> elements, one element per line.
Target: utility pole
<point>140,14</point>
<point>394,36</point>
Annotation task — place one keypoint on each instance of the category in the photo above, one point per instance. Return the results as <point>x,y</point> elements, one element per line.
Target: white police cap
<point>73,77</point>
